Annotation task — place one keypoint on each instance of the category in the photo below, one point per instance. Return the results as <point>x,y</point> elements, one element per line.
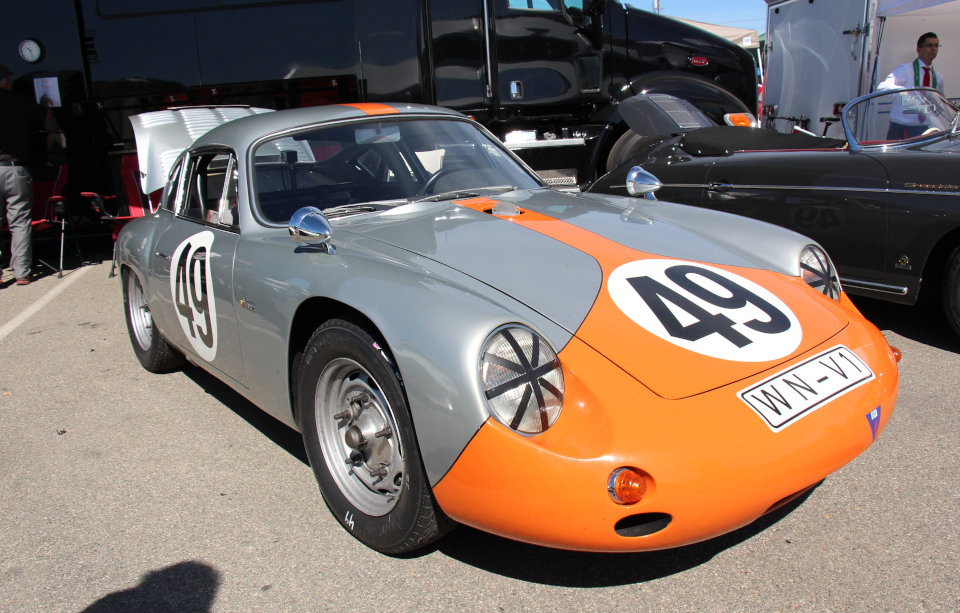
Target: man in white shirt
<point>918,73</point>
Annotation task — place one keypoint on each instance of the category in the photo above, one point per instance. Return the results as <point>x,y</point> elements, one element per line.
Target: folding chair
<point>112,209</point>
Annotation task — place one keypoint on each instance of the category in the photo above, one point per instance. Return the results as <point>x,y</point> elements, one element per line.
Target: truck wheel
<point>624,149</point>
<point>950,289</point>
<point>360,441</point>
<point>152,349</point>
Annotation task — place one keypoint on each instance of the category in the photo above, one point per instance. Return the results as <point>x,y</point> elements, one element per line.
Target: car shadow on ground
<point>284,436</point>
<point>924,323</point>
<point>511,558</point>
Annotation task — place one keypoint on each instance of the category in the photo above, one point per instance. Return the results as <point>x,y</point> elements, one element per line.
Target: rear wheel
<point>950,290</point>
<point>152,349</point>
<point>360,441</point>
<point>624,149</point>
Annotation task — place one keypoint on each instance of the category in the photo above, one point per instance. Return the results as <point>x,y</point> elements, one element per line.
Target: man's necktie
<point>926,76</point>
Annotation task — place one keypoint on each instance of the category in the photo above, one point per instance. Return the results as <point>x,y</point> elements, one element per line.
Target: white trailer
<point>820,54</point>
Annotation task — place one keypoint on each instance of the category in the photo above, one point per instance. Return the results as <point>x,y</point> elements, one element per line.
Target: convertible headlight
<point>818,271</point>
<point>522,379</point>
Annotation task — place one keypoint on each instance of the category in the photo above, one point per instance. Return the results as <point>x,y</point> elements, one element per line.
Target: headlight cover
<point>522,379</point>
<point>818,271</point>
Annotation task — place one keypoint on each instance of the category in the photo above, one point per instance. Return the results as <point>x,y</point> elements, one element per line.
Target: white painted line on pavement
<point>31,310</point>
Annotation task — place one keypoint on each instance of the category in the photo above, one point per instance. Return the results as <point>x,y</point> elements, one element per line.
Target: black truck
<point>545,76</point>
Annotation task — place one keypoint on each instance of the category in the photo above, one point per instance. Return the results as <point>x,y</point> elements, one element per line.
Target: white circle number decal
<point>191,285</point>
<point>705,309</point>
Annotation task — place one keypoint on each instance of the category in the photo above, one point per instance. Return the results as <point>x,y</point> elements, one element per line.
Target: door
<point>546,52</point>
<point>836,197</point>
<point>192,266</point>
<point>460,54</point>
<point>815,51</point>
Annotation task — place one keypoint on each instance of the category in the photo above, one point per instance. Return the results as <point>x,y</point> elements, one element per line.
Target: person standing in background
<point>20,120</point>
<point>918,73</point>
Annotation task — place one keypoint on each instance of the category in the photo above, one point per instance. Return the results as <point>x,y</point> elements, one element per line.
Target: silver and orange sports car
<point>458,342</point>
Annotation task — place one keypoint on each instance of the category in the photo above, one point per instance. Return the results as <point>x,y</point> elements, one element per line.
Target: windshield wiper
<point>465,193</point>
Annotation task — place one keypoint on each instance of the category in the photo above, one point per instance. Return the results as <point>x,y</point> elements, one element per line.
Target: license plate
<point>789,395</point>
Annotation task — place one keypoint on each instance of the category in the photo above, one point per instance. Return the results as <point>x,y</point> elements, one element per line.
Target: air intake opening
<point>642,524</point>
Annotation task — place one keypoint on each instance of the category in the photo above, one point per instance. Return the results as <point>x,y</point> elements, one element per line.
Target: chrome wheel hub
<point>359,437</point>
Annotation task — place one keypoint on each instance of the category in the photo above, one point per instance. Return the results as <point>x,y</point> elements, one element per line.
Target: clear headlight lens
<point>818,271</point>
<point>522,379</point>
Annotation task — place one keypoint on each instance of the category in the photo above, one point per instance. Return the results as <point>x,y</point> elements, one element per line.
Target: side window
<point>534,5</point>
<point>207,191</point>
<point>172,188</point>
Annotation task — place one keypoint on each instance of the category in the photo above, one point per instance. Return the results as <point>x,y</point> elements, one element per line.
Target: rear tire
<point>152,349</point>
<point>360,441</point>
<point>950,290</point>
<point>624,149</point>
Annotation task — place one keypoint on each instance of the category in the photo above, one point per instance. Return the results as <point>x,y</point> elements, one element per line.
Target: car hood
<point>573,258</point>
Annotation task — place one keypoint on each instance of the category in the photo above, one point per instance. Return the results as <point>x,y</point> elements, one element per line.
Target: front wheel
<point>152,349</point>
<point>950,290</point>
<point>360,441</point>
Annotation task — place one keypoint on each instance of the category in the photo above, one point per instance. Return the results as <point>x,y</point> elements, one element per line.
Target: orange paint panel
<point>664,366</point>
<point>714,464</point>
<point>372,108</point>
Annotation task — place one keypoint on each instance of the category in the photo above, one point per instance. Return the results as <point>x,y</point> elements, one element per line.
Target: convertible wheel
<point>360,441</point>
<point>152,349</point>
<point>951,290</point>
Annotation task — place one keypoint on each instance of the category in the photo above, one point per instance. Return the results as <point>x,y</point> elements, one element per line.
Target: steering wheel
<point>427,188</point>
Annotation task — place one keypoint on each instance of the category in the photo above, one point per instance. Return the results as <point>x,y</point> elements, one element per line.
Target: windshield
<point>390,161</point>
<point>898,116</point>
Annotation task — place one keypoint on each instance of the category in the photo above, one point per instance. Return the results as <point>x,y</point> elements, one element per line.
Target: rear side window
<point>172,188</point>
<point>211,190</point>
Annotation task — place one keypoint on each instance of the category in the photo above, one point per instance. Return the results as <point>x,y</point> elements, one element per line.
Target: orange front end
<point>710,462</point>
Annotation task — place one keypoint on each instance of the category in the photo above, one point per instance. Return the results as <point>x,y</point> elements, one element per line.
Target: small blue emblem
<point>874,418</point>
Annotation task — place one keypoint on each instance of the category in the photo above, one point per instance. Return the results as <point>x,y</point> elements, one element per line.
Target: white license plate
<point>798,391</point>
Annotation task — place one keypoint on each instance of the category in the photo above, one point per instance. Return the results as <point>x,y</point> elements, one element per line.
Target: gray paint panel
<point>548,276</point>
<point>433,319</point>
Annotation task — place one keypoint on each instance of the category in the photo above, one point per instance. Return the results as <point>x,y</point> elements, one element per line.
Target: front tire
<point>360,441</point>
<point>950,290</point>
<point>152,349</point>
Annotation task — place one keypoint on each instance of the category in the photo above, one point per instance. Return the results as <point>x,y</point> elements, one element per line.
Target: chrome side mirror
<point>310,225</point>
<point>642,183</point>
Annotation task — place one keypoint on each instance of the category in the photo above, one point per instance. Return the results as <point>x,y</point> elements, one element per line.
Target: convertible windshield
<point>896,116</point>
<point>380,163</point>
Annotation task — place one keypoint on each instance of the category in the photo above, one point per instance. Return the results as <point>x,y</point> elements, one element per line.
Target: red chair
<point>111,208</point>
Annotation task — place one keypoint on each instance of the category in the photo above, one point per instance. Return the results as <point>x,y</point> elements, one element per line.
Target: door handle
<point>719,186</point>
<point>162,256</point>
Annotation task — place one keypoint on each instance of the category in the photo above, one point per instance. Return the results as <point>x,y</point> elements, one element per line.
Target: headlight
<point>522,379</point>
<point>818,271</point>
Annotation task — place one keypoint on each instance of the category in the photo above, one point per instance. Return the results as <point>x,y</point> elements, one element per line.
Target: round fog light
<point>626,485</point>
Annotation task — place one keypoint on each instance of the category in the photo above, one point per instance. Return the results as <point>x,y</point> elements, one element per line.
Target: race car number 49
<point>705,309</point>
<point>799,390</point>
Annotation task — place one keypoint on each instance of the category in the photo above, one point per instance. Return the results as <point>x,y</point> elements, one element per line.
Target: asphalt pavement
<point>121,490</point>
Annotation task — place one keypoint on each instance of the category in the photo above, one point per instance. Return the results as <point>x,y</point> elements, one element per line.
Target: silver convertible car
<point>459,343</point>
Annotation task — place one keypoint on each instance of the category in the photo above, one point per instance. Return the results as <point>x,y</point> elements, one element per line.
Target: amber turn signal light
<point>744,120</point>
<point>626,485</point>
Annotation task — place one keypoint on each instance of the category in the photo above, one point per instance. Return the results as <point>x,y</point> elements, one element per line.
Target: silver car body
<point>433,278</point>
